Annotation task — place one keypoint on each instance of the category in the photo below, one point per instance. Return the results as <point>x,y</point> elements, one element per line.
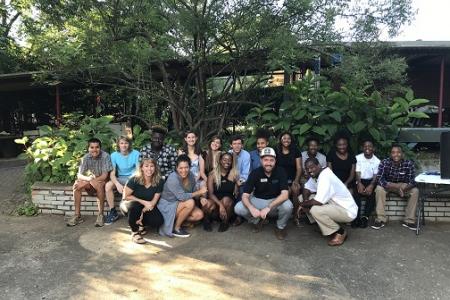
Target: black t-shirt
<point>287,162</point>
<point>141,192</point>
<point>341,168</point>
<point>266,187</point>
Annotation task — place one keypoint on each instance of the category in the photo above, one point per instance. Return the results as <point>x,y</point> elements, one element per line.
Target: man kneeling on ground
<point>269,186</point>
<point>92,175</point>
<point>332,203</point>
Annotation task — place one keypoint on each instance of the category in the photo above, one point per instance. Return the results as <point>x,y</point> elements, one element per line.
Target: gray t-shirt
<point>320,157</point>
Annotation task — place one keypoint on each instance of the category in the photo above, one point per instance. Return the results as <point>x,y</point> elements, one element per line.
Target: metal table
<point>429,183</point>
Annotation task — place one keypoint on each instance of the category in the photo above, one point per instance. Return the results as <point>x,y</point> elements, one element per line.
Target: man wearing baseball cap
<point>265,194</point>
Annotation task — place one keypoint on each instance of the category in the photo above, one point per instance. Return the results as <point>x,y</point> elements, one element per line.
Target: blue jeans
<point>282,212</point>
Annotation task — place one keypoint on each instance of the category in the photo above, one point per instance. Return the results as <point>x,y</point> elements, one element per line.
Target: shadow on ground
<point>41,258</point>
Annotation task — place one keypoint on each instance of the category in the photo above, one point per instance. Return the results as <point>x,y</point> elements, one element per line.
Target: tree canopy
<point>196,62</point>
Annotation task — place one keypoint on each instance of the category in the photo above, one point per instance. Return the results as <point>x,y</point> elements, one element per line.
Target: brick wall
<point>435,210</point>
<point>58,199</point>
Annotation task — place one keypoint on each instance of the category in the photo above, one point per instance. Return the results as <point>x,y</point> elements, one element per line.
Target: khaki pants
<point>410,211</point>
<point>328,216</point>
<point>310,218</point>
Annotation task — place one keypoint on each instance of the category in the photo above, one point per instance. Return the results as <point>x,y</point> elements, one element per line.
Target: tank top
<point>195,167</point>
<point>226,187</point>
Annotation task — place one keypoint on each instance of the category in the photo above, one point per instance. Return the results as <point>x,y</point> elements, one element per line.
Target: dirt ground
<point>43,259</point>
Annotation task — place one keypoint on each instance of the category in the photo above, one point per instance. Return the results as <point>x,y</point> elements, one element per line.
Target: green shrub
<point>140,137</point>
<point>55,156</point>
<point>312,107</point>
<point>27,209</point>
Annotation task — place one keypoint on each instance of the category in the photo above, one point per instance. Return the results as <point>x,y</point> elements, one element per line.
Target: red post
<point>58,107</point>
<point>441,92</point>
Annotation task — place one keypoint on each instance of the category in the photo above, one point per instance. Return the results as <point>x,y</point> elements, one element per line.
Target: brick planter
<point>54,198</point>
<point>434,210</point>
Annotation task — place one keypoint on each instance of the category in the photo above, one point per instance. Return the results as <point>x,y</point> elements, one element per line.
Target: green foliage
<point>314,108</point>
<point>140,48</point>
<point>366,66</point>
<point>140,137</point>
<point>55,156</point>
<point>27,209</point>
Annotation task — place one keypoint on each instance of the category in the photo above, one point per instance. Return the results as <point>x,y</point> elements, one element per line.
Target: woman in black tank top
<point>222,189</point>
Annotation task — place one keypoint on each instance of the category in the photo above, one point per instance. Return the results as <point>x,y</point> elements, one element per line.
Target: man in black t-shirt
<point>265,194</point>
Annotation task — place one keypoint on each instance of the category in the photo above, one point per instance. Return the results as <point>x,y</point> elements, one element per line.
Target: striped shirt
<point>97,166</point>
<point>390,172</point>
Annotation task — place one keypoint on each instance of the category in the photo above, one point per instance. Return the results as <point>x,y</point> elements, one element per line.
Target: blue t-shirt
<point>125,165</point>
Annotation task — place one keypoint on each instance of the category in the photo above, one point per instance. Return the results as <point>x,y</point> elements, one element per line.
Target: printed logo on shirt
<point>275,181</point>
<point>264,180</point>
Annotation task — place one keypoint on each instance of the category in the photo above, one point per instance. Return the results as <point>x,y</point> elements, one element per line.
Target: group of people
<point>174,190</point>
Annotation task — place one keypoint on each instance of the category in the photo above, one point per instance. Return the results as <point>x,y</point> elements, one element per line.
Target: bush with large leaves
<point>55,155</point>
<point>312,107</point>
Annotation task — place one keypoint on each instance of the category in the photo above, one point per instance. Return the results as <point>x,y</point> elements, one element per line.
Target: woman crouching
<point>141,194</point>
<point>177,200</point>
<point>223,189</point>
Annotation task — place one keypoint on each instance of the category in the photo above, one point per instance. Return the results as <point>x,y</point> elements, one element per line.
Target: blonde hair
<point>126,139</point>
<point>217,169</point>
<point>140,177</point>
<point>211,157</point>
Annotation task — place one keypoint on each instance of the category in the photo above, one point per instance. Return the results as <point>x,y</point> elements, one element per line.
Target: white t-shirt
<point>311,185</point>
<point>331,189</point>
<point>320,157</point>
<point>367,167</point>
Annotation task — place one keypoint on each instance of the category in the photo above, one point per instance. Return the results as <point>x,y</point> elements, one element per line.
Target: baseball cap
<point>268,152</point>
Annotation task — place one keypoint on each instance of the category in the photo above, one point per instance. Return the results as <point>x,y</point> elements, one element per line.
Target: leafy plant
<point>27,209</point>
<point>140,137</point>
<point>55,156</point>
<point>314,108</point>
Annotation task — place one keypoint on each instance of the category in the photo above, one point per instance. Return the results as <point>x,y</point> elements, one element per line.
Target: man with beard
<point>332,204</point>
<point>396,175</point>
<point>265,194</point>
<point>164,154</point>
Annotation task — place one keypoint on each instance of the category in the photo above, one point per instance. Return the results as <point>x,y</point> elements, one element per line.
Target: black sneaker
<point>356,223</point>
<point>377,225</point>
<point>181,233</point>
<point>207,225</point>
<point>411,226</point>
<point>364,222</point>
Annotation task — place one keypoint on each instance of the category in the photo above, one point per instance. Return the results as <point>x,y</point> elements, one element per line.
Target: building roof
<point>421,44</point>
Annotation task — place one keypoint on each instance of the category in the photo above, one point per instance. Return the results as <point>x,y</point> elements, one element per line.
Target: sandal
<point>137,238</point>
<point>142,230</point>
